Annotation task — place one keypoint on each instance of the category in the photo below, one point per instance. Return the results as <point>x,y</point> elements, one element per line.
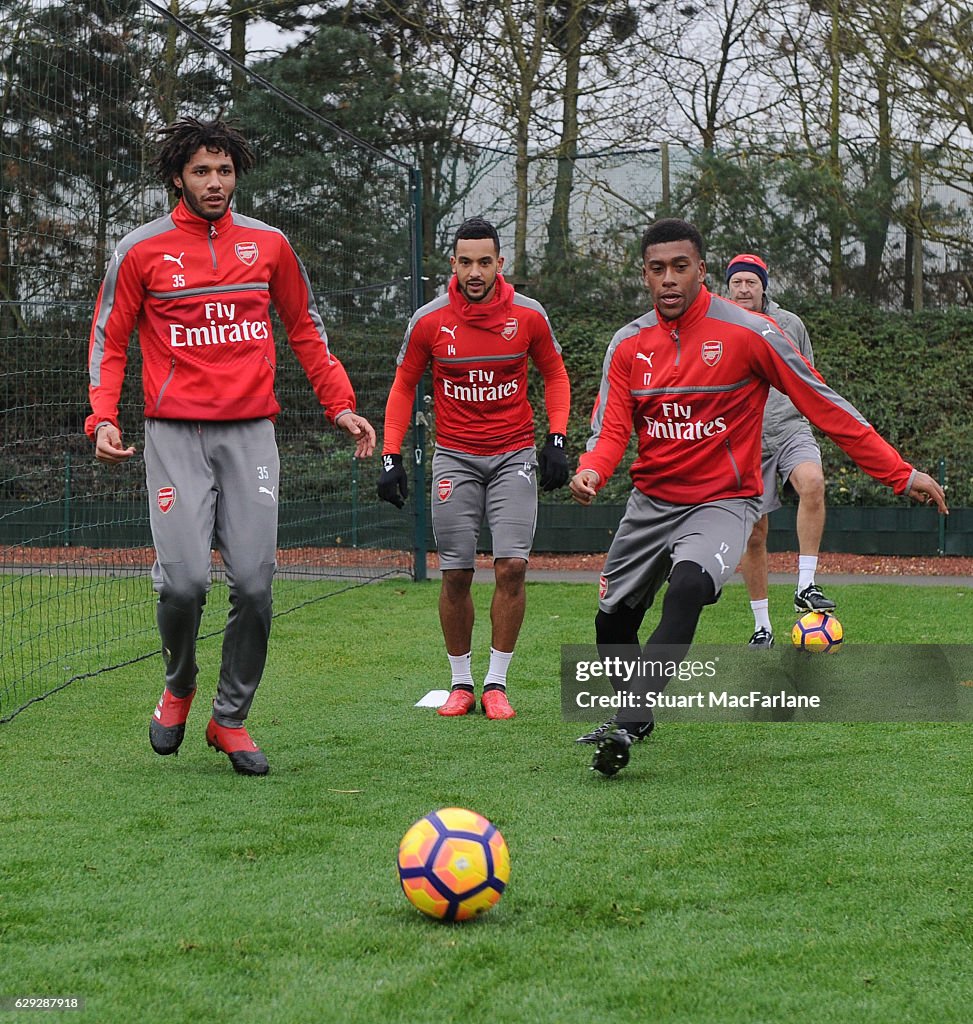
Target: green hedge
<point>911,375</point>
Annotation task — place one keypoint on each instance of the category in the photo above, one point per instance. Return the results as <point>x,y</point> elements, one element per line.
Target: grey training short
<point>467,487</point>
<point>654,535</point>
<point>777,467</point>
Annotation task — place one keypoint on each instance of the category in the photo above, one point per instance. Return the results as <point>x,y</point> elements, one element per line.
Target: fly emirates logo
<point>679,425</point>
<point>221,327</point>
<point>480,388</point>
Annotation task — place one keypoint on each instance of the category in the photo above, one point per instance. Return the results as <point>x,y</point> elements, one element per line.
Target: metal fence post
<point>354,502</point>
<point>419,409</point>
<point>66,523</point>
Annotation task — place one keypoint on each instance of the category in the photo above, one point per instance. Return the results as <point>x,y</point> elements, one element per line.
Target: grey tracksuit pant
<point>214,485</point>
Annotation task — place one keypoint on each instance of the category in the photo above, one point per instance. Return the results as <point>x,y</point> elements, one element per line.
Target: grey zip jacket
<point>781,418</point>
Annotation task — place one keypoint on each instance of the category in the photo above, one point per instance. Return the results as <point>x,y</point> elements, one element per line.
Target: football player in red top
<point>479,337</point>
<point>198,284</point>
<point>691,377</point>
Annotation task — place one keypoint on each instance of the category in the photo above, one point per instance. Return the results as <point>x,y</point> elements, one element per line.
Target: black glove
<point>553,463</point>
<point>393,484</point>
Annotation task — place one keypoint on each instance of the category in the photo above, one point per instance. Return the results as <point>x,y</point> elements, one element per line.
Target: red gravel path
<point>786,561</point>
<point>868,565</point>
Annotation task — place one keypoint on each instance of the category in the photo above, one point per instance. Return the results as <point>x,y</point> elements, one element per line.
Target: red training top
<point>479,357</point>
<point>694,389</point>
<point>200,294</point>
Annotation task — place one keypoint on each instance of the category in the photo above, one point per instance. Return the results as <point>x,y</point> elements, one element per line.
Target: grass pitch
<point>733,873</point>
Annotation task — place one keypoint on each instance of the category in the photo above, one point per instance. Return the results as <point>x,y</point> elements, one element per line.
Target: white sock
<point>761,614</point>
<point>459,665</point>
<point>497,672</point>
<point>806,567</point>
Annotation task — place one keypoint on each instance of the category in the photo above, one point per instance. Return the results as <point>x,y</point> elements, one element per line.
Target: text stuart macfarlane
<point>701,699</point>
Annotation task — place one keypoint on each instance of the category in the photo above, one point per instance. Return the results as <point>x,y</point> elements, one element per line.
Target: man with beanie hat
<point>790,456</point>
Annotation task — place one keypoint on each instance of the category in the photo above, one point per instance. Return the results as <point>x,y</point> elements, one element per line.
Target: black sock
<point>617,636</point>
<point>690,589</point>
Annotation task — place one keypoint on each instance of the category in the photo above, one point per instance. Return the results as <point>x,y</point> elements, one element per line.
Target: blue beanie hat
<point>753,264</point>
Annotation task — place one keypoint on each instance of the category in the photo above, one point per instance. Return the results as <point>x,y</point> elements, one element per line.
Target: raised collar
<point>698,309</point>
<point>488,316</point>
<point>185,219</point>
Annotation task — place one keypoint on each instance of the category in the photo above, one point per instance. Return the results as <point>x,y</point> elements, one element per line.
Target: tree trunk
<point>430,200</point>
<point>836,269</point>
<point>916,272</point>
<point>907,261</point>
<point>876,228</point>
<point>239,16</point>
<point>559,225</point>
<point>167,86</point>
<point>521,170</point>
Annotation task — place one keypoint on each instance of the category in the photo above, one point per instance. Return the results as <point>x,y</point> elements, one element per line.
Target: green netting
<point>83,86</point>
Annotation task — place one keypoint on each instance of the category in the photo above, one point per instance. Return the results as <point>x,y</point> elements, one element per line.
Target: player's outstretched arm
<point>583,486</point>
<point>361,430</point>
<point>926,490</point>
<point>109,447</point>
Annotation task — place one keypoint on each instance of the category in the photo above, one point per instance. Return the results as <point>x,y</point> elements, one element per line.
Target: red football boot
<point>459,702</point>
<point>168,723</point>
<point>245,756</point>
<point>496,705</point>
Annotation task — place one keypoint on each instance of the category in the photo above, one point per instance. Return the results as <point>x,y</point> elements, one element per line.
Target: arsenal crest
<point>711,352</point>
<point>509,331</point>
<point>246,252</point>
<point>445,489</point>
<point>602,586</point>
<point>166,498</point>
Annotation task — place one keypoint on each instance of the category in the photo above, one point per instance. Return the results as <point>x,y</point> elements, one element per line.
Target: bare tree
<point>536,77</point>
<point>709,58</point>
<point>706,57</point>
<point>940,50</point>
<point>589,37</point>
<point>858,107</point>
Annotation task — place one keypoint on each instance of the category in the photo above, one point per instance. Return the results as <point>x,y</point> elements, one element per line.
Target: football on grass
<point>817,633</point>
<point>453,864</point>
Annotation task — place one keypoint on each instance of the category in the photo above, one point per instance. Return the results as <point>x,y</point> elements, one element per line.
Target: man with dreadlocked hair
<point>198,284</point>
